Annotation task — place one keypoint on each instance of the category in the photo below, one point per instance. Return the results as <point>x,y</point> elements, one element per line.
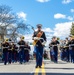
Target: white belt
<point>5,47</point>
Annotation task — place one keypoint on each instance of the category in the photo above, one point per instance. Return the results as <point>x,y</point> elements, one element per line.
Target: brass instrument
<point>38,37</point>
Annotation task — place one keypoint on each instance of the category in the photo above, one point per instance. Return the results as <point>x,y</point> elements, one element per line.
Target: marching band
<point>13,53</point>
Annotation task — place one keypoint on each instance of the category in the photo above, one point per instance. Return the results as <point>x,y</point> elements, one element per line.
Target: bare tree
<point>19,28</point>
<point>10,25</point>
<point>6,19</point>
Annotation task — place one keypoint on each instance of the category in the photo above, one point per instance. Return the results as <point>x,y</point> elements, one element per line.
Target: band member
<point>67,49</point>
<point>21,48</point>
<point>54,45</point>
<point>71,48</point>
<point>27,50</point>
<point>51,51</point>
<point>14,52</point>
<point>45,55</point>
<point>10,53</point>
<point>5,46</point>
<point>63,51</point>
<point>39,41</point>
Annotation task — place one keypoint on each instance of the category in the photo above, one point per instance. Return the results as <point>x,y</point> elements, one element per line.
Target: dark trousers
<point>63,55</point>
<point>5,57</point>
<point>52,55</point>
<point>71,55</point>
<point>26,55</point>
<point>14,56</point>
<point>21,55</point>
<point>55,55</point>
<point>67,55</point>
<point>9,56</point>
<point>39,55</point>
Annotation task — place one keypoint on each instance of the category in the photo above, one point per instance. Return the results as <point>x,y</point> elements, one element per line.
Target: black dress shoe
<point>36,66</point>
<point>4,63</point>
<point>40,67</point>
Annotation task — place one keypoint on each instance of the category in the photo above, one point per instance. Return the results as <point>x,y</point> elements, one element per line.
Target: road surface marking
<point>43,69</point>
<point>37,71</point>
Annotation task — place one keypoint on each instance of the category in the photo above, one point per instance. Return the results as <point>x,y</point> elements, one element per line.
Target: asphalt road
<point>48,68</point>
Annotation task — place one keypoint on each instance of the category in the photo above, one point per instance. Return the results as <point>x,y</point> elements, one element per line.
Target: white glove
<point>36,38</point>
<point>44,43</point>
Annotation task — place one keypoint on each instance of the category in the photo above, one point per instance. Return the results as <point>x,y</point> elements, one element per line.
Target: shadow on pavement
<point>35,74</point>
<point>59,68</point>
<point>59,62</point>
